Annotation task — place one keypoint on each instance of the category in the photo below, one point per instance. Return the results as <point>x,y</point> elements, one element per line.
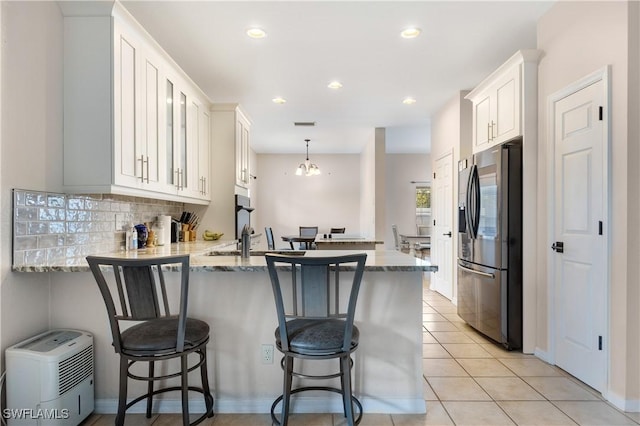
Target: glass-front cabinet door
<point>176,136</point>
<point>184,114</point>
<point>169,147</point>
<point>182,150</point>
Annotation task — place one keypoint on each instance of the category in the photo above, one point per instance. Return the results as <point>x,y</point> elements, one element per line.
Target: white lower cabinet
<point>132,119</point>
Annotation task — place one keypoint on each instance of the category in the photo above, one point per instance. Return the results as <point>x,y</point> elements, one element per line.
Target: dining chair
<point>269,233</point>
<point>307,231</point>
<point>271,245</point>
<point>134,292</point>
<point>400,245</point>
<point>315,301</point>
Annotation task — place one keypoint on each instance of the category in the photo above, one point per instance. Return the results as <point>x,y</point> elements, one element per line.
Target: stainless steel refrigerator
<point>490,243</point>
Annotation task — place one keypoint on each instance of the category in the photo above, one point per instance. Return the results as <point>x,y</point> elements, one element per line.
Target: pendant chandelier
<point>307,168</point>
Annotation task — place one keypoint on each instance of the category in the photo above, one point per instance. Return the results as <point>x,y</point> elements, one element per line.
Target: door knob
<point>448,234</point>
<point>558,247</point>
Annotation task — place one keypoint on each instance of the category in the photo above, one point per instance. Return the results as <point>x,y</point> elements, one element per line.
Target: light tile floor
<point>469,380</point>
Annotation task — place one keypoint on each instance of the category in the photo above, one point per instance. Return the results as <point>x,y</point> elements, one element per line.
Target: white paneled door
<point>579,235</point>
<point>441,237</point>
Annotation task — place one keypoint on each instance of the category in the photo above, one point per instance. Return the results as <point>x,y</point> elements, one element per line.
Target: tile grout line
<point>475,381</point>
<point>500,360</point>
<point>479,385</point>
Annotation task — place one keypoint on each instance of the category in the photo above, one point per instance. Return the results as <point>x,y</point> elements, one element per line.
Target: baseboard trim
<point>261,405</point>
<point>627,405</point>
<point>543,355</point>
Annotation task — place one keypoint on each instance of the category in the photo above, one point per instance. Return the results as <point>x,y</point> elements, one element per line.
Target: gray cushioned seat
<point>159,335</point>
<point>317,336</point>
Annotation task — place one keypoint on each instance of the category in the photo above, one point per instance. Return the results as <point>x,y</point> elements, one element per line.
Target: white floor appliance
<point>50,379</point>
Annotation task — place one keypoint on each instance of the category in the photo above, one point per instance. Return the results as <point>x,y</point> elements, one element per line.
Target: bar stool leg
<point>286,391</point>
<point>150,389</point>
<point>204,376</point>
<point>185,389</point>
<point>122,396</point>
<point>345,367</point>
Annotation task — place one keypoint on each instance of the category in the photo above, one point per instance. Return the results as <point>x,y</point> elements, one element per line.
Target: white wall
<point>451,134</point>
<point>285,201</point>
<point>368,188</point>
<point>380,173</point>
<point>400,200</point>
<point>31,151</point>
<point>577,39</point>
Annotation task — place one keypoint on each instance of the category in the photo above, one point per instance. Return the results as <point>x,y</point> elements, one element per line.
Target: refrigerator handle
<point>473,202</point>
<point>476,205</point>
<point>473,271</point>
<point>467,213</point>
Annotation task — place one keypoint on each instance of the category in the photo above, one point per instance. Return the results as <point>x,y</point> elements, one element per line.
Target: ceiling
<point>358,43</point>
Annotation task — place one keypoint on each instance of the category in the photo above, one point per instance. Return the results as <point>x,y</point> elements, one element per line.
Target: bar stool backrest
<point>316,288</point>
<point>138,291</point>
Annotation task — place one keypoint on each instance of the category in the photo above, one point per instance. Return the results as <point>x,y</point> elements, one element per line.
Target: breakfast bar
<point>233,295</point>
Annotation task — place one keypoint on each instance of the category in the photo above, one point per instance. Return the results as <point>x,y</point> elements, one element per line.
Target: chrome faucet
<point>245,242</point>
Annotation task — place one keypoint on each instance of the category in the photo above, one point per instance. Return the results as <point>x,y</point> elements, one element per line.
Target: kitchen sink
<point>256,252</point>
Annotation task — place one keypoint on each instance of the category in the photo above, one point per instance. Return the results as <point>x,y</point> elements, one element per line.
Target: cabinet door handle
<point>141,168</point>
<point>178,173</point>
<point>488,132</point>
<point>493,129</point>
<point>147,161</point>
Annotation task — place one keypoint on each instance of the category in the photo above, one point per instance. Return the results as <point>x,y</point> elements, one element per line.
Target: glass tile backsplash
<point>52,229</point>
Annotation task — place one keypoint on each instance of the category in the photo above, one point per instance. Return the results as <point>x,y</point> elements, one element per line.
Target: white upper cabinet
<point>497,103</point>
<point>231,146</point>
<point>132,117</point>
<point>204,159</point>
<point>136,104</point>
<point>195,139</point>
<point>243,144</point>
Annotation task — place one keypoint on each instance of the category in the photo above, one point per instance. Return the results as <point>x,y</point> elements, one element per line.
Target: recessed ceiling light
<point>410,32</point>
<point>279,100</point>
<point>256,33</point>
<point>334,85</point>
<point>409,101</point>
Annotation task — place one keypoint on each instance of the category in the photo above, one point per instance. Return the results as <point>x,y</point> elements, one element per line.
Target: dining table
<point>306,239</point>
<point>345,242</point>
<point>417,242</point>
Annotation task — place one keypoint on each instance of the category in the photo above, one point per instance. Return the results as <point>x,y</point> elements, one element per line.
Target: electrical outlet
<point>267,354</point>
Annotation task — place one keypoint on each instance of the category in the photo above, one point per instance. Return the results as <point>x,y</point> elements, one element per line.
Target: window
<point>423,210</point>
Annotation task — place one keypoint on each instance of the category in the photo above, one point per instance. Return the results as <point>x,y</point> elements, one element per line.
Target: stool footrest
<point>316,388</point>
<point>208,398</point>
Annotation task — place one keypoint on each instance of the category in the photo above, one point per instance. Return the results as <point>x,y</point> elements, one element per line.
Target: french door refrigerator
<point>490,243</point>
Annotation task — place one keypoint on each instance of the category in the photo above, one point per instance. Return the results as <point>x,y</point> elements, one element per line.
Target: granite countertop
<point>226,258</point>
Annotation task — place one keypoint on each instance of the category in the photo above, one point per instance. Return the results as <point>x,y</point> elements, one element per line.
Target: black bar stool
<point>140,295</point>
<point>315,322</point>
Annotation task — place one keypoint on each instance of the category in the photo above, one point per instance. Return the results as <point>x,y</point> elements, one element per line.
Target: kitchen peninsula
<point>234,296</point>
